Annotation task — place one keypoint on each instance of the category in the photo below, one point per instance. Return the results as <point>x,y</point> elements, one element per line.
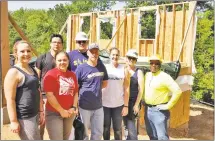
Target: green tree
<point>203,88</point>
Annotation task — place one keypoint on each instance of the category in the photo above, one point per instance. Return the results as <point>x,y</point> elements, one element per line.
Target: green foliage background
<point>38,25</point>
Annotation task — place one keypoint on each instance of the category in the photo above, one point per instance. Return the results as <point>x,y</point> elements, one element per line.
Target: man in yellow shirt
<point>161,94</point>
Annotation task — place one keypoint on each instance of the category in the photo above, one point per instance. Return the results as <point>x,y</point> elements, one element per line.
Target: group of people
<point>77,83</point>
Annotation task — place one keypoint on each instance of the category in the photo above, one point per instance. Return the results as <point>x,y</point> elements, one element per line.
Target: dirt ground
<point>200,127</point>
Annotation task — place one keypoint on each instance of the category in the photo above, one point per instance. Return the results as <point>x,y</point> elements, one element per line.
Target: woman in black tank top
<point>24,103</point>
<point>136,91</point>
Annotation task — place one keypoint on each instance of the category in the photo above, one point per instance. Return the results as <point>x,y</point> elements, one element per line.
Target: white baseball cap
<point>81,36</point>
<point>93,45</point>
<point>132,53</point>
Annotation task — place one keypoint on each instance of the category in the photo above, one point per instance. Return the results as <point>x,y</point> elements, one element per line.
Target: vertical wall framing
<point>169,34</point>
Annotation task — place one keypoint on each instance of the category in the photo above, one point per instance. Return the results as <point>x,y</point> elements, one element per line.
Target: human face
<point>114,56</point>
<point>155,66</point>
<point>93,54</point>
<point>62,62</point>
<point>56,44</point>
<point>24,53</point>
<point>82,45</point>
<point>131,61</point>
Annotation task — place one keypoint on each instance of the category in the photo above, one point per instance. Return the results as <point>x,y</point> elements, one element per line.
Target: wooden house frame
<point>174,40</point>
<point>175,33</point>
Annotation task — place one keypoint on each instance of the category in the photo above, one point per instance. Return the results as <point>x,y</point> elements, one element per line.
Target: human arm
<point>105,79</point>
<point>176,93</point>
<point>41,111</point>
<point>74,108</point>
<point>10,84</point>
<point>39,65</point>
<point>140,93</point>
<point>104,83</point>
<point>126,88</point>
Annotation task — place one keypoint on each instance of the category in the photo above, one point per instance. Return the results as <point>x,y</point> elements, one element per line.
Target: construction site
<point>174,40</point>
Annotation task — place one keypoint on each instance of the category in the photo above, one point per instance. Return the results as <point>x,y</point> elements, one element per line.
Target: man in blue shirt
<point>92,77</point>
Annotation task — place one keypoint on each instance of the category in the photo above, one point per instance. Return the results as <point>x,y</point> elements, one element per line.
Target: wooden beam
<point>73,31</point>
<point>157,35</point>
<point>182,30</point>
<point>90,34</point>
<point>145,47</point>
<point>173,33</point>
<point>163,30</point>
<point>94,28</point>
<point>63,27</point>
<point>118,24</point>
<point>170,4</point>
<point>21,33</point>
<point>116,32</point>
<point>131,27</point>
<point>85,14</point>
<point>69,34</point>
<point>147,8</point>
<point>125,34</point>
<point>5,50</point>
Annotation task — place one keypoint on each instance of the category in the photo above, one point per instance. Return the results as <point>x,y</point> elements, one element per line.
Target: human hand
<point>76,111</point>
<point>124,111</point>
<point>136,109</point>
<point>42,118</point>
<point>65,113</point>
<point>162,107</point>
<point>15,127</point>
<point>73,111</point>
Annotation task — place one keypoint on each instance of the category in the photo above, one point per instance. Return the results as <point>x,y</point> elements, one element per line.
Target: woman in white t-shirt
<point>115,96</point>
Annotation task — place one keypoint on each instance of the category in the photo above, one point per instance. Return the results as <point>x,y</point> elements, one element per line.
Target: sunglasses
<point>79,42</point>
<point>131,58</point>
<point>155,63</point>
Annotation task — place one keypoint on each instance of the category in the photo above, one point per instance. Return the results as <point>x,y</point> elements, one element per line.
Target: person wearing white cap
<point>79,56</point>
<point>136,91</point>
<point>158,85</point>
<point>92,77</point>
<point>115,96</point>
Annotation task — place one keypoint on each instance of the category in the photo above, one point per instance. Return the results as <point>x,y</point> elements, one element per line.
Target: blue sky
<point>15,5</point>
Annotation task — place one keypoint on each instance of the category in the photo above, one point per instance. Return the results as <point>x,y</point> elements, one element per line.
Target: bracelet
<point>126,106</point>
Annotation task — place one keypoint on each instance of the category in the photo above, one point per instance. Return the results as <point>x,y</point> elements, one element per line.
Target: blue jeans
<point>130,126</point>
<point>156,123</point>
<point>116,115</point>
<point>95,120</point>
